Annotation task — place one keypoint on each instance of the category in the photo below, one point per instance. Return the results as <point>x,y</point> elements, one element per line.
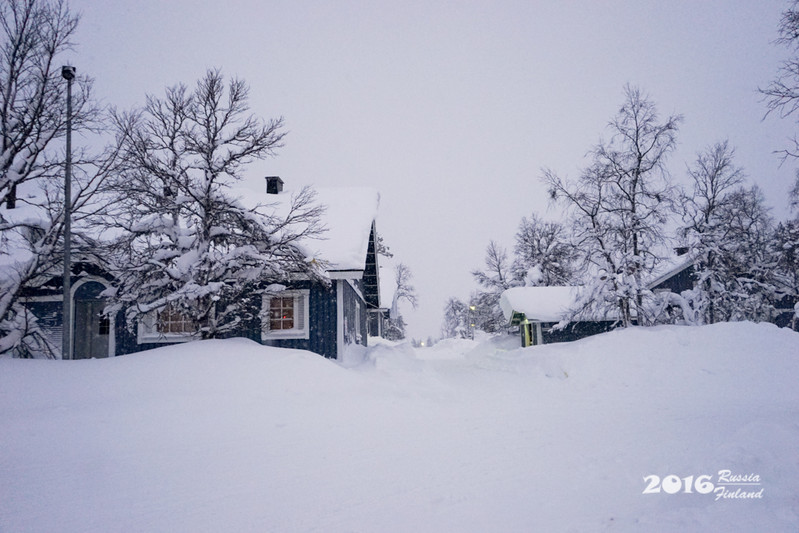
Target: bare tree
<point>782,94</point>
<point>32,120</point>
<point>32,93</point>
<point>403,291</point>
<point>497,275</point>
<point>543,253</point>
<point>746,269</point>
<point>494,279</point>
<point>456,319</point>
<point>785,249</point>
<point>403,288</point>
<point>187,244</point>
<point>619,206</point>
<point>741,266</point>
<point>714,177</point>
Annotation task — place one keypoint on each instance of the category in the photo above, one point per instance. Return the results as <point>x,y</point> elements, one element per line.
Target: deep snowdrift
<point>464,436</point>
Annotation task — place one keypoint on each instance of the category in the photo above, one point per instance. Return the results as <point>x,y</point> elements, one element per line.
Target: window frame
<point>301,329</point>
<point>148,330</point>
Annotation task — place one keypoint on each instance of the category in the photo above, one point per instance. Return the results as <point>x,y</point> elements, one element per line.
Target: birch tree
<point>186,241</point>
<point>403,291</point>
<point>33,34</point>
<point>782,93</point>
<point>785,249</point>
<point>543,255</point>
<point>619,206</point>
<point>494,279</point>
<point>714,177</point>
<point>456,319</point>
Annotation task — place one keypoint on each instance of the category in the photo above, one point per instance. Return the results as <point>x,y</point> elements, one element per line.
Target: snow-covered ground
<point>464,436</point>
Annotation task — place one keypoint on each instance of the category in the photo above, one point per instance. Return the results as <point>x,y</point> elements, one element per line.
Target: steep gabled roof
<point>349,214</point>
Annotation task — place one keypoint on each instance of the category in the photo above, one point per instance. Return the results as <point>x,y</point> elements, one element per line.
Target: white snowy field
<point>464,436</point>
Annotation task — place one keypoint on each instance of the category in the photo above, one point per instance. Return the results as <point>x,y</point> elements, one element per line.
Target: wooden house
<point>322,318</point>
<point>680,275</point>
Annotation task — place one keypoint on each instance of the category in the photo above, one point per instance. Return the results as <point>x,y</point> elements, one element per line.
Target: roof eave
<point>345,274</point>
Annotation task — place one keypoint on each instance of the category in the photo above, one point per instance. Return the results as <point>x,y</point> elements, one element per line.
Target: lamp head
<point>68,72</point>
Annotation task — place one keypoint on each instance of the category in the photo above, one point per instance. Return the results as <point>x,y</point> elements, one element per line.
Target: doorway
<point>92,332</point>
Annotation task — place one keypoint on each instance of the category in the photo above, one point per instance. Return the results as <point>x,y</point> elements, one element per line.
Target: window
<point>104,327</point>
<point>166,325</point>
<point>281,313</point>
<point>285,315</point>
<point>170,320</point>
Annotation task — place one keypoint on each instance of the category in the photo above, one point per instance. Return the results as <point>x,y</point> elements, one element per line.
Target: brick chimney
<point>274,185</point>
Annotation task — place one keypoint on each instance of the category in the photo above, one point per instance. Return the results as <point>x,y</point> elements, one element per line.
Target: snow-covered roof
<point>669,268</point>
<point>349,214</point>
<point>543,304</point>
<point>348,217</point>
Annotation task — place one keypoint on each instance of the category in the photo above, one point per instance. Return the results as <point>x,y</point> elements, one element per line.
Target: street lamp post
<point>68,73</point>
<point>472,319</point>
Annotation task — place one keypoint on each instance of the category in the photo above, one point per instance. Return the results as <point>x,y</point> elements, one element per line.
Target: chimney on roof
<point>274,185</point>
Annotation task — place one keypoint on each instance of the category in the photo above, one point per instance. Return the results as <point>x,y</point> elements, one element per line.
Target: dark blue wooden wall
<point>355,331</point>
<point>322,318</point>
<point>322,314</point>
<point>575,330</point>
<point>679,282</point>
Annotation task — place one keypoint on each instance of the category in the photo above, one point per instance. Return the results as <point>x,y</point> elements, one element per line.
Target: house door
<point>527,334</point>
<point>92,330</point>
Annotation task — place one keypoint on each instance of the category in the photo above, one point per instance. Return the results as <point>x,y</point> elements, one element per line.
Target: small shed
<point>537,310</point>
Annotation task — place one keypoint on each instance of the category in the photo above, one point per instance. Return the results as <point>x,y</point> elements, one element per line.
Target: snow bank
<point>464,436</point>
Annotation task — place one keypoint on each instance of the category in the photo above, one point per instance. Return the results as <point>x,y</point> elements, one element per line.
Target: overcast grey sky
<point>451,109</point>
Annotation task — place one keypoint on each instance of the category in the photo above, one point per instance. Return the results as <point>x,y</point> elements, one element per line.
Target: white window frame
<point>148,331</point>
<point>358,337</point>
<point>301,330</point>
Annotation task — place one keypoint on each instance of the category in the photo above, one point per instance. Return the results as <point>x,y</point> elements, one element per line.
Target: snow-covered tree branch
<point>727,229</point>
<point>32,121</point>
<point>543,253</point>
<point>187,241</point>
<point>619,206</point>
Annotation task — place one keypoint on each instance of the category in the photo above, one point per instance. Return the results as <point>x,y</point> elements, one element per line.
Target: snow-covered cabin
<point>537,310</point>
<point>322,318</point>
<point>348,311</point>
<point>679,273</point>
